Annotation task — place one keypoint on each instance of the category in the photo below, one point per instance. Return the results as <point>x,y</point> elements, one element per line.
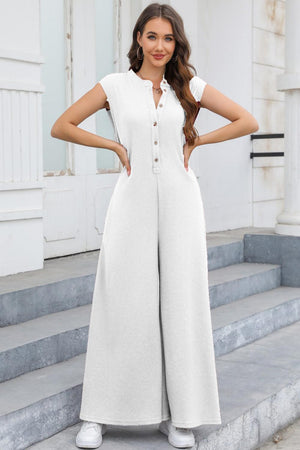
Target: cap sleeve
<point>197,86</point>
<point>108,85</point>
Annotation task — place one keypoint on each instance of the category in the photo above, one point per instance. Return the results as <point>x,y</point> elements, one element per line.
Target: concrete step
<point>43,341</point>
<point>259,387</point>
<point>241,280</point>
<point>224,250</point>
<point>59,336</point>
<point>62,284</point>
<point>67,282</point>
<point>39,403</point>
<point>249,319</point>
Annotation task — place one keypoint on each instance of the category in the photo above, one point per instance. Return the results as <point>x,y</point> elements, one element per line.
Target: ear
<point>138,37</point>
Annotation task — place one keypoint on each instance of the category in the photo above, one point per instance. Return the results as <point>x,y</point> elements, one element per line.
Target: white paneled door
<point>78,47</point>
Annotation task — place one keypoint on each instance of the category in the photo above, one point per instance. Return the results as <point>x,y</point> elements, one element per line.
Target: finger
<point>186,163</point>
<point>128,168</point>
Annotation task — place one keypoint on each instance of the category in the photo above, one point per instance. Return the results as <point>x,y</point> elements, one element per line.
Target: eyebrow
<point>153,32</point>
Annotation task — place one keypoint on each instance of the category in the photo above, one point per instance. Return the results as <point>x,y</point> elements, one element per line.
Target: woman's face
<point>157,39</point>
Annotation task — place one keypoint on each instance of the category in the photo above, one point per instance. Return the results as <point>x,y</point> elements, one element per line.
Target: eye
<point>152,36</point>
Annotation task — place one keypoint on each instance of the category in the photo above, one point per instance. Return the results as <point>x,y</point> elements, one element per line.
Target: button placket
<point>155,113</point>
<point>155,144</point>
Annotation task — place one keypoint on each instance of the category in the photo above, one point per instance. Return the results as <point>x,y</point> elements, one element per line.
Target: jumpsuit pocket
<point>189,173</point>
<point>125,173</point>
<point>182,165</point>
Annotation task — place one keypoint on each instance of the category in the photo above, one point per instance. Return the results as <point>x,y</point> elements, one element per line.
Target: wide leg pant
<point>150,353</point>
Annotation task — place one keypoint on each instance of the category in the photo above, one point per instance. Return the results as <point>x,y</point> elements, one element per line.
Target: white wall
<point>238,47</point>
<point>220,35</point>
<point>21,180</point>
<point>268,106</point>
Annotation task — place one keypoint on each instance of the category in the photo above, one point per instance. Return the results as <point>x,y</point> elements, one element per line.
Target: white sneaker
<point>177,436</point>
<point>90,435</point>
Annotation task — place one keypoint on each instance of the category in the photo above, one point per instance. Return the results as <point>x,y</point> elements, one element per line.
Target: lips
<point>158,56</point>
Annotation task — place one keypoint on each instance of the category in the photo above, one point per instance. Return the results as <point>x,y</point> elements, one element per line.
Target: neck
<point>152,73</point>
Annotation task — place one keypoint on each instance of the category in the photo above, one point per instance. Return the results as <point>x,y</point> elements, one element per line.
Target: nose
<point>159,44</point>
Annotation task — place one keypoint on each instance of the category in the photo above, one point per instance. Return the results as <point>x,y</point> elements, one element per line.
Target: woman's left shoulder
<point>197,86</point>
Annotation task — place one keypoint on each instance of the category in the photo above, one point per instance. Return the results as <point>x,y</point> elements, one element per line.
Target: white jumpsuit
<point>150,353</point>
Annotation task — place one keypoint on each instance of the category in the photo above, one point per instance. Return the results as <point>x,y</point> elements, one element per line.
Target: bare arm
<point>243,122</point>
<point>66,126</point>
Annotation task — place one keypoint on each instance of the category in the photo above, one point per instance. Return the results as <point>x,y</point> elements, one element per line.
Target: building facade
<point>54,194</point>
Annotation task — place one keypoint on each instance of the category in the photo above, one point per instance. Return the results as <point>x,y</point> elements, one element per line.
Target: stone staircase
<point>43,336</point>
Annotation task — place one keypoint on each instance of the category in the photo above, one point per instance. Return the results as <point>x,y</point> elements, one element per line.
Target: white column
<point>288,221</point>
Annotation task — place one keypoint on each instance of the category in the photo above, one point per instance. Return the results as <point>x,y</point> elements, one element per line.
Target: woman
<point>150,355</point>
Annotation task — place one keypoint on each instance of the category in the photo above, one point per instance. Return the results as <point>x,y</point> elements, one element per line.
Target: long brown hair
<point>178,73</point>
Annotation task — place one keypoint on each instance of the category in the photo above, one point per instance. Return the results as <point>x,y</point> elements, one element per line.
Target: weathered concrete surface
<point>285,439</point>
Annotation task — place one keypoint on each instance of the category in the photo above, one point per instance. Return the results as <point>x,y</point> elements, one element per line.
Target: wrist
<point>198,141</point>
<point>115,147</point>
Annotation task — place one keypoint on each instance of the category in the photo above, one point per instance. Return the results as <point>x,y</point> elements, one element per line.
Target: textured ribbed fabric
<point>150,353</point>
